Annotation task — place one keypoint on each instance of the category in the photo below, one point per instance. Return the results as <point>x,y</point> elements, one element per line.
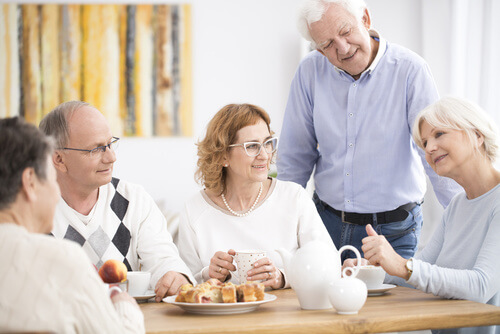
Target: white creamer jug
<point>348,294</point>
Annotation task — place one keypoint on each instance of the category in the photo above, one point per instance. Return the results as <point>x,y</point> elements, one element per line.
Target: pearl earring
<point>226,165</point>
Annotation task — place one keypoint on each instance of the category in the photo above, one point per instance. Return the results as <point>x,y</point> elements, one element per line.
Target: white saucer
<point>148,295</point>
<point>380,290</point>
<point>220,308</point>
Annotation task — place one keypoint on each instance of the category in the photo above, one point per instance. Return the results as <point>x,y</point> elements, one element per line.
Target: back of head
<point>22,145</point>
<point>463,115</point>
<point>221,132</point>
<point>312,11</point>
<point>55,123</point>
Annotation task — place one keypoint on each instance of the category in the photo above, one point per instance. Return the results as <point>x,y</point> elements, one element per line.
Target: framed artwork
<point>132,62</point>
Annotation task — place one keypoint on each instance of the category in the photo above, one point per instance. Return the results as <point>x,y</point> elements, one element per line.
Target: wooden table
<point>400,309</point>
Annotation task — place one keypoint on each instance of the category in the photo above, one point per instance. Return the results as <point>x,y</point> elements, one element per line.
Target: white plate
<point>220,308</point>
<point>148,295</point>
<point>381,290</point>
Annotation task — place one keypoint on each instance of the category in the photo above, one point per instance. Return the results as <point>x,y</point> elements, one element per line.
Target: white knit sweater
<point>126,225</point>
<point>50,285</point>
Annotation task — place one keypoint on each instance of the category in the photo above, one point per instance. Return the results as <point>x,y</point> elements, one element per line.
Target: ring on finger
<point>268,275</point>
<point>220,269</point>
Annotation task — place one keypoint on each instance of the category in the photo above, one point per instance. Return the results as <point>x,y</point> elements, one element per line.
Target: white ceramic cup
<point>138,282</point>
<point>373,276</point>
<point>244,262</point>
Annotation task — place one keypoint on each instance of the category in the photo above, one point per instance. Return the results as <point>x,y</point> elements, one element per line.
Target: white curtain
<point>461,42</point>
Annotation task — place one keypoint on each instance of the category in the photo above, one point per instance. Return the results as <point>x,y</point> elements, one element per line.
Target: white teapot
<point>312,270</point>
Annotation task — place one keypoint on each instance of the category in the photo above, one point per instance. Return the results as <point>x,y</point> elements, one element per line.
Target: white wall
<point>243,51</point>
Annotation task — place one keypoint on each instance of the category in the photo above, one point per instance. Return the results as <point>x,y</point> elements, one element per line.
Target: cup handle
<point>234,261</point>
<point>351,269</point>
<point>354,272</point>
<point>114,288</point>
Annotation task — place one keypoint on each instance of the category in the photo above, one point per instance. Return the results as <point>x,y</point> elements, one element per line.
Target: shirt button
<point>351,144</point>
<point>351,114</point>
<point>347,174</point>
<point>354,85</point>
<point>348,201</point>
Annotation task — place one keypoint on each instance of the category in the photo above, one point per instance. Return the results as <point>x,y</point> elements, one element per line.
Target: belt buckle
<point>342,216</point>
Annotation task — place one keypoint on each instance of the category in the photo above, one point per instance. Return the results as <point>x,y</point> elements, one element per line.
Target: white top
<point>50,285</point>
<point>462,259</point>
<point>127,226</point>
<point>285,219</point>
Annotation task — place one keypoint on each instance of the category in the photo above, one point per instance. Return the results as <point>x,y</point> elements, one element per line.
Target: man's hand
<point>379,251</point>
<point>169,285</point>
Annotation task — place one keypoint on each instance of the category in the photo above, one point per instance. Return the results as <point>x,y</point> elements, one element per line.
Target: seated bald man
<point>108,217</point>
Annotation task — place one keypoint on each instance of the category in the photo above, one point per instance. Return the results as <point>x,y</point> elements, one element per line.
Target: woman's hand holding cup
<point>221,264</point>
<point>264,270</point>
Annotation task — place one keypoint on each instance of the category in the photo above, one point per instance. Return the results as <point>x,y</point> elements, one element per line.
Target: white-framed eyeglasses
<point>252,148</point>
<point>99,150</point>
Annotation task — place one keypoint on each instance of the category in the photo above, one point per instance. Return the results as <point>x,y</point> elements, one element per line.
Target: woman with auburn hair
<point>241,207</point>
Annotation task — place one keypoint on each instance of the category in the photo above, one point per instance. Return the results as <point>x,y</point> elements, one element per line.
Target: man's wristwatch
<point>409,267</point>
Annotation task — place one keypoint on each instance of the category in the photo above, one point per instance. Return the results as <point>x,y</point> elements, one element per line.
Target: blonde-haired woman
<point>241,207</point>
<point>462,258</point>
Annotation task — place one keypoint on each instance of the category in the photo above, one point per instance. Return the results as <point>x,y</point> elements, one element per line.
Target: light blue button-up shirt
<point>357,133</point>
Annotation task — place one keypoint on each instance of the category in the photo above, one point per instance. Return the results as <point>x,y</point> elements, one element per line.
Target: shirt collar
<point>382,44</point>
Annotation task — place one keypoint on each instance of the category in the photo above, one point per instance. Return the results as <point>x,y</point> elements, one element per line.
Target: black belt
<point>395,215</point>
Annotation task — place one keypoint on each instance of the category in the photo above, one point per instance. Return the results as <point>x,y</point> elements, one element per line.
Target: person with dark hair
<point>47,284</point>
<point>241,207</point>
<point>110,218</point>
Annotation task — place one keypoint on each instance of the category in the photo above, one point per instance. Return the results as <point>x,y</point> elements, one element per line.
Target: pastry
<point>250,292</point>
<point>229,293</point>
<point>213,291</point>
<point>181,297</point>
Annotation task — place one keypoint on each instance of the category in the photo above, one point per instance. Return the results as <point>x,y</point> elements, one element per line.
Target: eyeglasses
<point>99,150</point>
<point>252,149</point>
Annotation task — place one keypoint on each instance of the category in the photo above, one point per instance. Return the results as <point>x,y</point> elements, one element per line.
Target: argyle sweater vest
<point>107,235</point>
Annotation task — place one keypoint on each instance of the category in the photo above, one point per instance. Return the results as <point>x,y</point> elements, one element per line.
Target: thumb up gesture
<point>379,252</point>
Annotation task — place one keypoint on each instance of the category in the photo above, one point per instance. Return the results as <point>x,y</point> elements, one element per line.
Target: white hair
<point>313,10</point>
<point>463,115</point>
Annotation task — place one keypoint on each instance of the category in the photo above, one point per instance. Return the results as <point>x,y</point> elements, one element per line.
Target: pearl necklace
<point>249,210</point>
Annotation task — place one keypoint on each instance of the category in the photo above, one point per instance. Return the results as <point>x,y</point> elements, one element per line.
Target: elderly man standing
<point>109,218</point>
<point>349,115</point>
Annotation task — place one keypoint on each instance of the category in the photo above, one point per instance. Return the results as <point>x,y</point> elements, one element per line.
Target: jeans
<point>402,235</point>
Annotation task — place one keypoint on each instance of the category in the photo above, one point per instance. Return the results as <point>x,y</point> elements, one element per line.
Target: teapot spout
<point>286,256</point>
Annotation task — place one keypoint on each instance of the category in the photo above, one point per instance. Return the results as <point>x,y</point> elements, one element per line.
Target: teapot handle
<point>354,270</point>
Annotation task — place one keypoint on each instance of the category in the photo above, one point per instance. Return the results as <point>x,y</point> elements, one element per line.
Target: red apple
<point>113,271</point>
